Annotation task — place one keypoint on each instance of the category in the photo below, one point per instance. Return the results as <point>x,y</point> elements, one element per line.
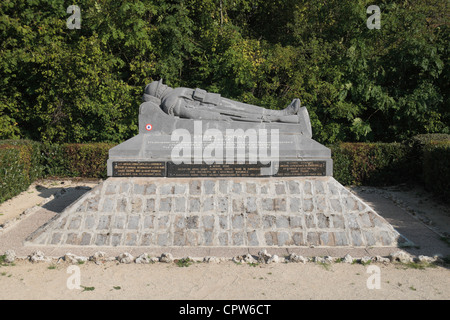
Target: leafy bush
<point>436,168</point>
<point>24,161</point>
<point>418,142</point>
<point>19,166</point>
<point>370,163</point>
<point>87,160</point>
<point>54,161</point>
<point>73,86</point>
<point>417,145</point>
<point>13,180</point>
<point>76,160</point>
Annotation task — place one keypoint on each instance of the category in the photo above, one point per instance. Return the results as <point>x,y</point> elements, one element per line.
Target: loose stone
<point>249,258</point>
<point>166,258</point>
<point>211,260</point>
<point>425,259</point>
<point>296,258</point>
<point>400,256</point>
<point>381,259</point>
<point>319,260</point>
<point>71,258</point>
<point>263,256</point>
<point>98,256</point>
<point>143,259</point>
<point>38,256</point>
<point>348,259</point>
<point>274,259</point>
<point>10,256</point>
<point>365,260</point>
<point>125,258</point>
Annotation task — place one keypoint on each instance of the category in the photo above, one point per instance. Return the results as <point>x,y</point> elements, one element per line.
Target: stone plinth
<point>157,144</point>
<point>228,212</point>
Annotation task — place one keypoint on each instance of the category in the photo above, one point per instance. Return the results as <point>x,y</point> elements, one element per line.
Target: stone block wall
<point>237,212</point>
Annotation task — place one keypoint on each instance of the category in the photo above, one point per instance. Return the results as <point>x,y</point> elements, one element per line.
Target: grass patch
<point>359,261</point>
<point>365,263</point>
<point>327,266</point>
<point>87,288</point>
<point>117,287</point>
<point>417,265</point>
<point>185,262</point>
<point>3,262</point>
<point>408,245</point>
<point>52,267</point>
<point>253,264</point>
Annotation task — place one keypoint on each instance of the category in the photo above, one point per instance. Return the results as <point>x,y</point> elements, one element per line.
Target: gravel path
<point>413,212</point>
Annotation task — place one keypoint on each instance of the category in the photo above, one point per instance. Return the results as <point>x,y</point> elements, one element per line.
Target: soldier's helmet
<point>157,89</point>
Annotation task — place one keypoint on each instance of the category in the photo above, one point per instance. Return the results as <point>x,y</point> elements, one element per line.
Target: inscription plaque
<point>286,169</point>
<point>139,169</point>
<point>301,168</point>
<point>214,170</point>
<point>172,170</point>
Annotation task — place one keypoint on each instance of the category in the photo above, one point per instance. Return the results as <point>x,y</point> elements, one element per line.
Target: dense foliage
<point>417,145</point>
<point>84,85</point>
<point>86,160</point>
<point>24,161</point>
<point>436,168</point>
<point>19,166</point>
<point>371,163</point>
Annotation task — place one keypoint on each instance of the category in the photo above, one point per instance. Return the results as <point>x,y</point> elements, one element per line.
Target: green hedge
<point>76,160</point>
<point>19,166</point>
<point>22,162</point>
<point>87,160</point>
<point>12,169</point>
<point>417,146</point>
<point>370,163</point>
<point>436,168</point>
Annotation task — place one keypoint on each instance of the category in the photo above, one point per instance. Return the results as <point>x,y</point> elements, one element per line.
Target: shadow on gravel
<point>424,240</point>
<point>62,198</point>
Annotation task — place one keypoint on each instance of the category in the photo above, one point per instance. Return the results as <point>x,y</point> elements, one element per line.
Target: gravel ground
<point>411,210</point>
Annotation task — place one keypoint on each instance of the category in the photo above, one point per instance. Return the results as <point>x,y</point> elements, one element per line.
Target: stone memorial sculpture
<point>167,110</point>
<point>202,105</point>
<point>152,201</point>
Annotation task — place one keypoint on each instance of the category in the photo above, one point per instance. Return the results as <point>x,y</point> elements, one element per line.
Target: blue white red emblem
<point>148,127</point>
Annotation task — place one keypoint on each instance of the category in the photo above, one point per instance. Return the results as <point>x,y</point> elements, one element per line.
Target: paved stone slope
<point>237,212</point>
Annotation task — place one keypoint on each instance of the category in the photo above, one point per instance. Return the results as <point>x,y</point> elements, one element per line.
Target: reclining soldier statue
<point>199,104</point>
